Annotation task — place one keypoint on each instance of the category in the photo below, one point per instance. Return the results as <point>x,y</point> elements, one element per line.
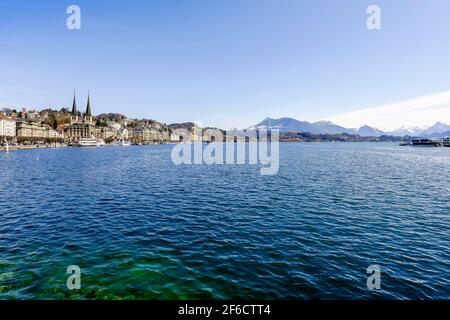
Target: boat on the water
<point>424,142</point>
<point>89,142</point>
<point>446,142</point>
<point>121,143</point>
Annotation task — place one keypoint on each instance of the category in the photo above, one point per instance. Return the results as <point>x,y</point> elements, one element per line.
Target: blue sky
<point>226,63</point>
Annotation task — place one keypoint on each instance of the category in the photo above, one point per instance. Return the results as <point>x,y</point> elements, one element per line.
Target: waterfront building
<point>52,134</point>
<point>154,135</point>
<point>142,134</point>
<point>7,127</point>
<point>30,130</point>
<point>146,135</point>
<point>105,132</point>
<point>81,130</point>
<point>137,134</point>
<point>34,130</point>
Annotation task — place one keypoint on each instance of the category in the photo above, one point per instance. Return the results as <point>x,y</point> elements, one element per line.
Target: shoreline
<point>33,147</point>
<point>58,146</point>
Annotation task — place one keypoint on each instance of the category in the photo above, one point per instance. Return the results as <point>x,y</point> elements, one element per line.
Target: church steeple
<point>88,114</point>
<point>74,115</point>
<point>88,108</point>
<point>74,105</point>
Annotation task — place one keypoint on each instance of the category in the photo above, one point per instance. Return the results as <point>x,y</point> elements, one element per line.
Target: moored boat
<point>89,142</point>
<point>424,142</point>
<point>121,143</point>
<point>446,142</point>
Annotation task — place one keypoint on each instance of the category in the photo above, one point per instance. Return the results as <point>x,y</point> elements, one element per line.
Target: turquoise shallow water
<point>142,228</point>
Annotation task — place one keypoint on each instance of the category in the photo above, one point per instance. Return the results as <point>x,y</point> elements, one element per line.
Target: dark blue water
<point>140,227</point>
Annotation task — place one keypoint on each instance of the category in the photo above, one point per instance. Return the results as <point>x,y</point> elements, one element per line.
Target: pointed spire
<point>74,105</point>
<point>88,108</point>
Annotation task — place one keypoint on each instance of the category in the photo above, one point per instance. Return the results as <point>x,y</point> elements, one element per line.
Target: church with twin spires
<point>81,126</point>
<point>76,116</point>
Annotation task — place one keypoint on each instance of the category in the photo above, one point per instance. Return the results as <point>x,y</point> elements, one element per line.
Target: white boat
<point>121,143</point>
<point>423,142</point>
<point>89,142</point>
<point>446,142</point>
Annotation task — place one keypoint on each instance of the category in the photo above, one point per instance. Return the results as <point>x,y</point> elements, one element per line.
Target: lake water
<point>140,227</point>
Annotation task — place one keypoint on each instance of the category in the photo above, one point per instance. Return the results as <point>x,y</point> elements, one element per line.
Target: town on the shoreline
<point>27,129</point>
<point>31,128</point>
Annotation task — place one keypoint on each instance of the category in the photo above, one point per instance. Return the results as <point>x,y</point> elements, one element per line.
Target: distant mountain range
<point>292,125</point>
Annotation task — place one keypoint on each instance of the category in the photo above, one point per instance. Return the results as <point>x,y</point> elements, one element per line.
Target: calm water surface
<point>142,228</point>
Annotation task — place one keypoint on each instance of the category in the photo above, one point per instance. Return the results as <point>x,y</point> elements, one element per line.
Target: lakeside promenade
<point>31,147</point>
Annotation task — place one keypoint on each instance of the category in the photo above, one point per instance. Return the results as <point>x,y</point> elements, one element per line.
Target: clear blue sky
<point>227,63</point>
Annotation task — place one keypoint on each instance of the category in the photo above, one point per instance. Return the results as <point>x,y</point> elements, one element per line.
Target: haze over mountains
<point>292,125</point>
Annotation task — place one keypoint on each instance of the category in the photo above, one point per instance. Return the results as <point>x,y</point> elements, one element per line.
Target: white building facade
<point>7,127</point>
<point>53,134</point>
